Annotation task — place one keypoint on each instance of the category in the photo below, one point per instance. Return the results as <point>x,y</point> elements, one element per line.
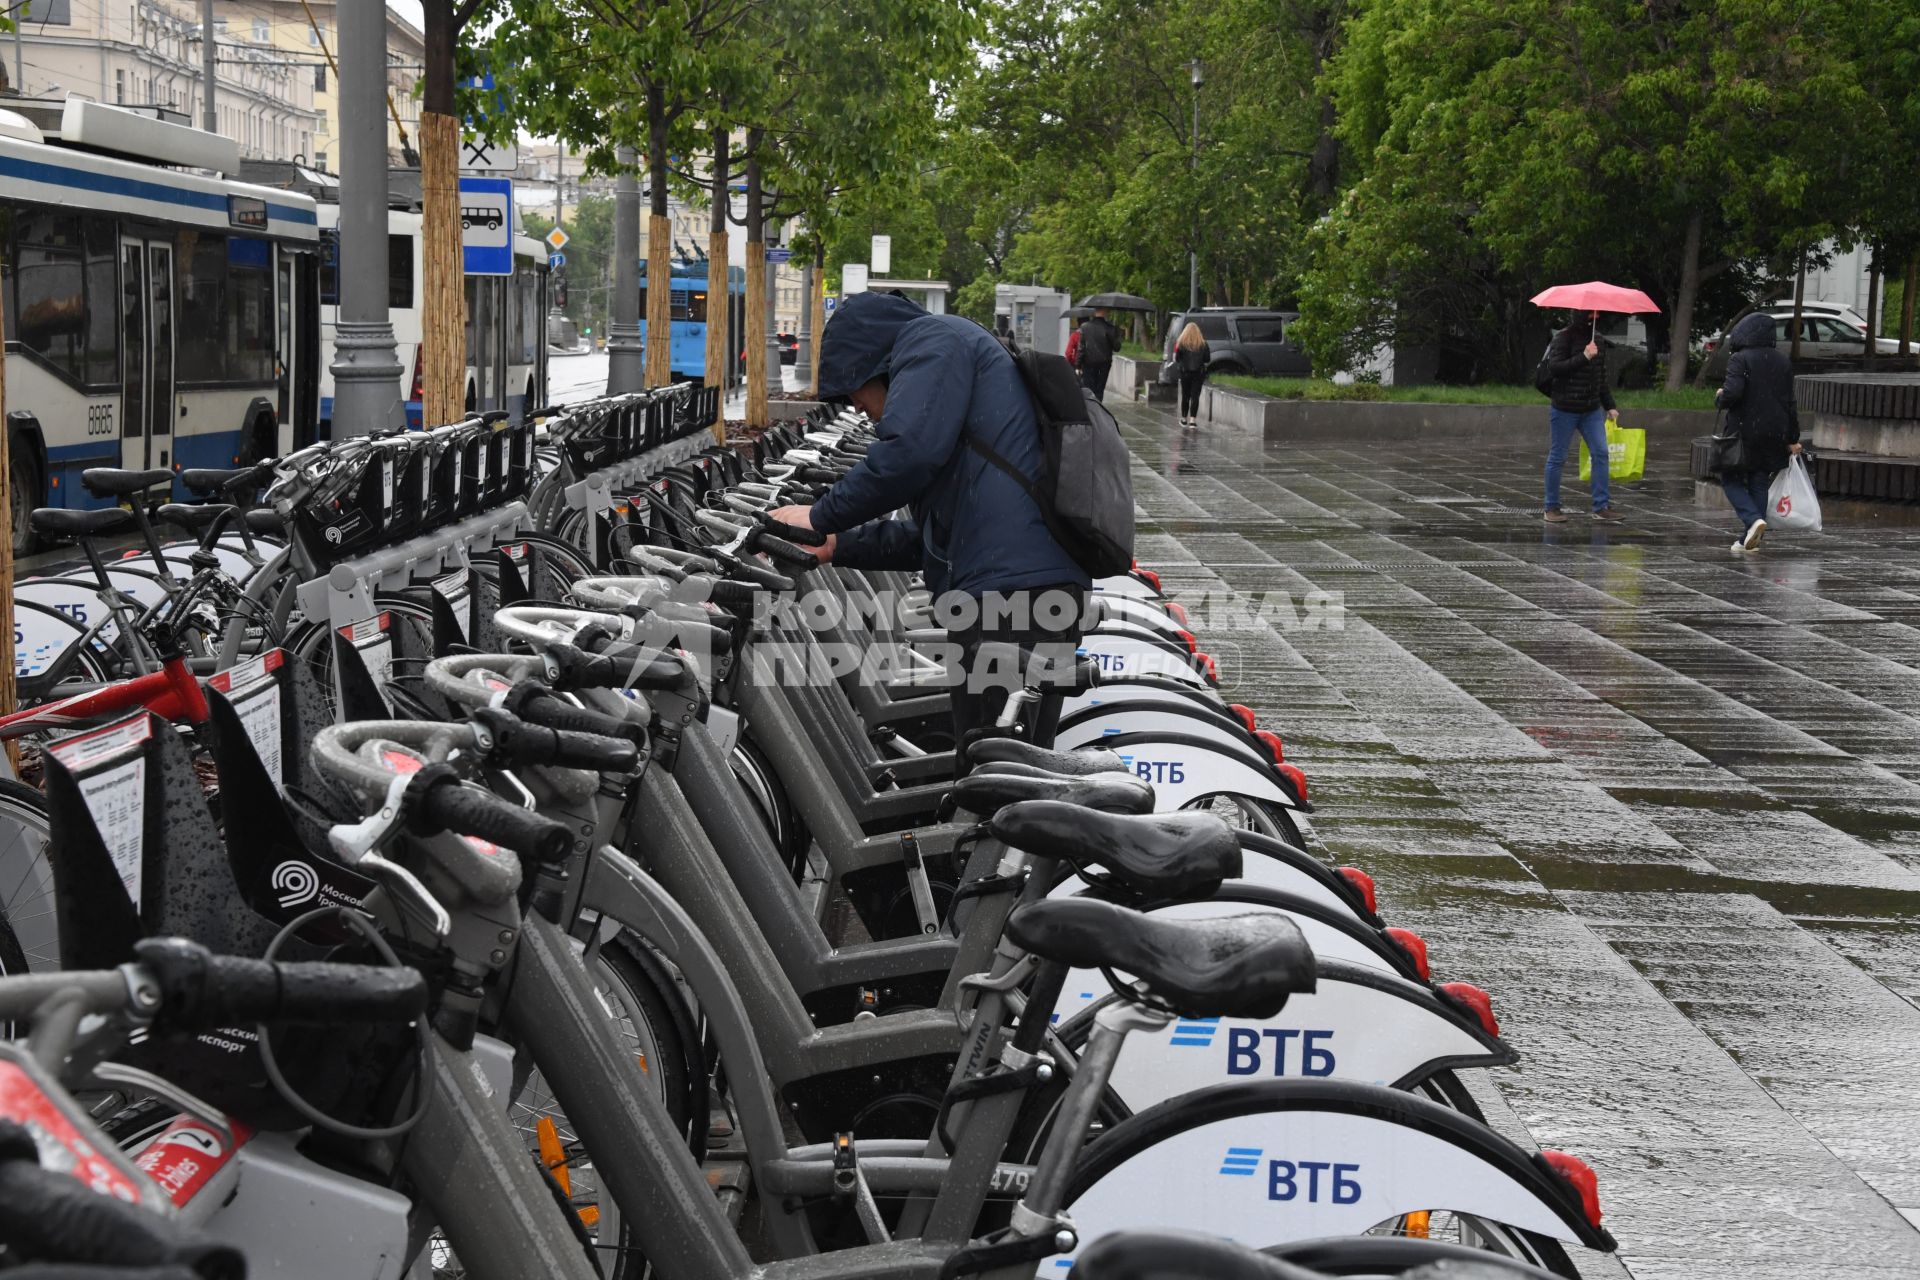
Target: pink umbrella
<point>1594,295</point>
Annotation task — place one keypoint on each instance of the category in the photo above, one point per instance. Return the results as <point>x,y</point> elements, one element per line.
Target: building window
<point>120,86</point>
<point>323,122</point>
<point>320,160</point>
<point>262,33</point>
<point>316,33</point>
<point>320,78</point>
<point>50,13</point>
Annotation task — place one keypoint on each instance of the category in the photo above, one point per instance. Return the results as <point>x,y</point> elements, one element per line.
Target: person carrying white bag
<point>1758,398</point>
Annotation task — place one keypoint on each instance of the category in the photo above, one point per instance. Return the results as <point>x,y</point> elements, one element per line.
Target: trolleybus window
<point>226,308</point>
<point>399,270</point>
<point>66,311</point>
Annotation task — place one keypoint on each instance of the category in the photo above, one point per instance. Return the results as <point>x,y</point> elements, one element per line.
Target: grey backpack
<point>1085,489</point>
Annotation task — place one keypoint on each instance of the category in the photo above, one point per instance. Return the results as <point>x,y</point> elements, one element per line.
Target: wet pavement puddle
<point>1662,801</point>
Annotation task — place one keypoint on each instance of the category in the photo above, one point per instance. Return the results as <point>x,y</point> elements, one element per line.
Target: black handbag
<point>1729,449</point>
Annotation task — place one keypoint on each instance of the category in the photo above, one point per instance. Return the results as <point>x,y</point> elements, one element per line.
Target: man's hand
<point>1593,349</point>
<point>803,518</point>
<point>1613,415</point>
<point>1795,447</point>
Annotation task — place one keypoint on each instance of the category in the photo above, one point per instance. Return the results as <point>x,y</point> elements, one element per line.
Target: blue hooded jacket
<point>973,528</point>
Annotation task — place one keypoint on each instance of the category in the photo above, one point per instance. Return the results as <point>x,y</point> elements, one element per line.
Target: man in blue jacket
<point>930,382</point>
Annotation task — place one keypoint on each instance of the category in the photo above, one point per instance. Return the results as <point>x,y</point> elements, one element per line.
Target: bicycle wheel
<point>654,1023</point>
<point>1249,813</point>
<point>410,623</point>
<point>26,883</point>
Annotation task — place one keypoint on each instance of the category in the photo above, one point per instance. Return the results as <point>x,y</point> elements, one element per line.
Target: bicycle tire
<point>310,644</point>
<point>30,939</point>
<point>676,1062</point>
<point>1254,814</point>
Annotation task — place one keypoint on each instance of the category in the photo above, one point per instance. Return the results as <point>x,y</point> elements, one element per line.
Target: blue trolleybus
<point>155,317</point>
<point>689,310</point>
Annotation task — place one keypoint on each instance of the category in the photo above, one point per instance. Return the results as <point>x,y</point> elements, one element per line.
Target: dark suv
<point>1249,340</point>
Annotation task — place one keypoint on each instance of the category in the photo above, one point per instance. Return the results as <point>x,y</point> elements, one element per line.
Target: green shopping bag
<point>1626,454</point>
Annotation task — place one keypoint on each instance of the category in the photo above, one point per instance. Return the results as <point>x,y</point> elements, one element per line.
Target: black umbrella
<point>1079,313</point>
<point>1117,302</point>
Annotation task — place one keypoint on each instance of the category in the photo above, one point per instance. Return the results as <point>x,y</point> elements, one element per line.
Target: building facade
<point>276,91</point>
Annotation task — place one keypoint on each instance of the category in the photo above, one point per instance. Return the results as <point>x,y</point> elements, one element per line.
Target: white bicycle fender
<point>1282,1161</point>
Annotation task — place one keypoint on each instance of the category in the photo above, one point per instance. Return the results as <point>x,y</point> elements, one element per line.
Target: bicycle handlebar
<point>522,743</point>
<point>793,533</point>
<point>449,804</point>
<point>200,990</point>
<point>536,704</point>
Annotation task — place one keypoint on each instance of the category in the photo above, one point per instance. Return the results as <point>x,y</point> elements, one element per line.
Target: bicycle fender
<point>1184,767</point>
<point>1159,719</point>
<point>1141,688</point>
<point>1122,655</point>
<point>1358,1024</point>
<point>1124,585</point>
<point>1301,877</point>
<point>1286,1160</point>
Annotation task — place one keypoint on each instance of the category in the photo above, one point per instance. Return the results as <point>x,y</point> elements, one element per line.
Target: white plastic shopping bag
<point>1791,503</point>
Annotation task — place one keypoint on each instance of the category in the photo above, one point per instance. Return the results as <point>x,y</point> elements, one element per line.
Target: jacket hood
<point>1757,330</point>
<point>858,344</point>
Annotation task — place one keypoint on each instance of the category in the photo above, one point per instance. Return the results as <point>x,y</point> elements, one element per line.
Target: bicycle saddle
<point>212,479</point>
<point>987,790</point>
<point>104,482</point>
<point>1156,855</point>
<point>265,520</point>
<point>192,515</point>
<point>1014,751</point>
<point>62,522</point>
<point>1228,966</point>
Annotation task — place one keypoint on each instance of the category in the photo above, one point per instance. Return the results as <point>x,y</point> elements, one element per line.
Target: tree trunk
<point>1906,302</point>
<point>443,301</point>
<point>719,286</point>
<point>659,248</point>
<point>1678,342</point>
<point>1799,302</point>
<point>1870,348</point>
<point>756,271</point>
<point>819,304</point>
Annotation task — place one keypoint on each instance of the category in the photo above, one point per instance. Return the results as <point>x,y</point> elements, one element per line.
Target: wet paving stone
<point>1662,801</point>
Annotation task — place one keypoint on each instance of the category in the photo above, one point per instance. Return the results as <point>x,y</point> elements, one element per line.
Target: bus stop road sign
<point>486,226</point>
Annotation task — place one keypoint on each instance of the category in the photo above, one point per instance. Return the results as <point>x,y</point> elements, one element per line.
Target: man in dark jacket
<point>932,382</point>
<point>1099,343</point>
<point>1758,398</point>
<point>1582,407</point>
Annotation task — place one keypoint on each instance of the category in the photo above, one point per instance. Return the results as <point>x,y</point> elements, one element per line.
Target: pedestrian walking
<point>1099,342</point>
<point>933,383</point>
<point>1582,406</point>
<point>1758,398</point>
<point>1190,356</point>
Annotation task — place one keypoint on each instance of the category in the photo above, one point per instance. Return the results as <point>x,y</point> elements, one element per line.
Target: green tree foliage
<point>589,252</point>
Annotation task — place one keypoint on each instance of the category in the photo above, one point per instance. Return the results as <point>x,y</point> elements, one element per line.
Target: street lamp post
<point>366,364</point>
<point>1193,170</point>
<point>626,352</point>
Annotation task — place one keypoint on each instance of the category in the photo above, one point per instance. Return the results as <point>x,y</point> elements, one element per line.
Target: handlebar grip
<point>537,705</point>
<point>764,579</point>
<point>200,990</point>
<point>825,475</point>
<point>473,812</point>
<point>784,552</point>
<point>804,537</point>
<point>646,667</point>
<point>524,743</point>
<point>735,596</point>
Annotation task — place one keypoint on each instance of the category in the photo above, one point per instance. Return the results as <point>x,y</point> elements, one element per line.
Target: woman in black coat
<point>1191,356</point>
<point>1758,398</point>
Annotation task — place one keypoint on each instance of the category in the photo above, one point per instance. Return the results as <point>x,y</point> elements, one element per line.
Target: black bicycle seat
<point>987,790</point>
<point>1242,966</point>
<point>212,479</point>
<point>112,482</point>
<point>265,520</point>
<point>190,515</point>
<point>64,522</point>
<point>1156,855</point>
<point>1015,751</point>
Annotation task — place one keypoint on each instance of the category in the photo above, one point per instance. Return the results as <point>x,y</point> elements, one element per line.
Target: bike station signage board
<point>486,226</point>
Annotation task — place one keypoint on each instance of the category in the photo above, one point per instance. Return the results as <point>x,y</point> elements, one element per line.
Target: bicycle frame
<point>171,693</point>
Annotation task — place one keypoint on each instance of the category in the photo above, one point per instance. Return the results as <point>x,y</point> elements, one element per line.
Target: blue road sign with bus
<point>486,226</point>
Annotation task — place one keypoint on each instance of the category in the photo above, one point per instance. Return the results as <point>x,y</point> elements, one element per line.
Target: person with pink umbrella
<point>1575,381</point>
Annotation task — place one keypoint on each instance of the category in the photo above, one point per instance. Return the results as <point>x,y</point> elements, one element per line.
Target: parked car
<point>1247,340</point>
<point>1836,310</point>
<point>1823,336</point>
<point>789,347</point>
